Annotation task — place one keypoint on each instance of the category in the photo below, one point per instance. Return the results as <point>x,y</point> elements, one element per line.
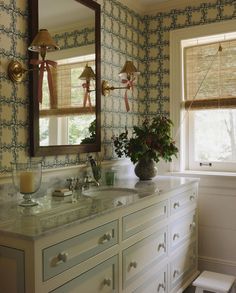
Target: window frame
<point>58,118</point>
<point>179,117</point>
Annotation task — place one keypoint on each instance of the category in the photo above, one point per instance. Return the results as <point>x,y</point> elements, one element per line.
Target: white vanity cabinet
<point>12,266</point>
<point>101,278</point>
<point>147,246</point>
<point>73,251</point>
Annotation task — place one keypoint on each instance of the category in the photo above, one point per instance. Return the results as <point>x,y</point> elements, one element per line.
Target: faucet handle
<point>88,179</point>
<point>78,184</point>
<point>71,182</point>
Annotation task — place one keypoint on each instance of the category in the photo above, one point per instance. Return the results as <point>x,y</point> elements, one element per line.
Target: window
<point>68,88</point>
<point>209,97</point>
<point>67,121</point>
<point>203,95</point>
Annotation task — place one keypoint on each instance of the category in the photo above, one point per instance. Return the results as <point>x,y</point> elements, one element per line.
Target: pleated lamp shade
<point>87,73</point>
<point>43,39</point>
<point>128,70</point>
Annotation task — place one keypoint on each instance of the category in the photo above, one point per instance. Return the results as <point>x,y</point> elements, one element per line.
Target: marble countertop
<point>52,214</point>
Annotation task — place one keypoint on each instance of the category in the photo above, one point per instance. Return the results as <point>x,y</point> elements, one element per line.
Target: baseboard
<point>217,265</point>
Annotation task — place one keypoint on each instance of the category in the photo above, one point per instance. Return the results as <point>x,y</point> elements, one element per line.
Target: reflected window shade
<point>210,77</point>
<point>63,85</point>
<point>65,78</point>
<point>60,112</point>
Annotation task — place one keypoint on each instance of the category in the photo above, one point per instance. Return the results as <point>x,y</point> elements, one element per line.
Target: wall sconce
<point>87,75</point>
<point>128,76</point>
<point>42,43</point>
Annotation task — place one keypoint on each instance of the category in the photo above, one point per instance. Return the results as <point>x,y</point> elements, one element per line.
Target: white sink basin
<point>109,191</point>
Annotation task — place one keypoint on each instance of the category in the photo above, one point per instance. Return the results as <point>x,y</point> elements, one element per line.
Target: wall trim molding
<point>217,261</point>
<point>210,190</point>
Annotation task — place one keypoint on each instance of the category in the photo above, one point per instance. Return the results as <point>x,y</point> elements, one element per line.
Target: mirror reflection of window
<point>65,130</point>
<point>67,121</point>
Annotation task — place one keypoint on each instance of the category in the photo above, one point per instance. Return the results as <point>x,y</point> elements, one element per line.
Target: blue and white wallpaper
<point>75,38</point>
<point>125,35</point>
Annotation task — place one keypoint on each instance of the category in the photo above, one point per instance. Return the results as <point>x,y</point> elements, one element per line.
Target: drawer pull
<point>192,226</point>
<point>161,286</point>
<point>107,282</point>
<point>62,257</point>
<point>161,245</point>
<point>175,236</point>
<point>133,264</point>
<point>176,205</point>
<point>105,238</point>
<point>176,273</point>
<point>192,197</point>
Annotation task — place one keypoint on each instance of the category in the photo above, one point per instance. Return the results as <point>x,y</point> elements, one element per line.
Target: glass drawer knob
<point>161,286</point>
<point>107,282</point>
<point>105,238</point>
<point>176,205</point>
<point>176,236</point>
<point>62,256</point>
<point>133,264</point>
<point>161,245</point>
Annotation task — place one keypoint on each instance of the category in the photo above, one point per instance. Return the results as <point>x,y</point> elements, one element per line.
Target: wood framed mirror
<point>73,126</point>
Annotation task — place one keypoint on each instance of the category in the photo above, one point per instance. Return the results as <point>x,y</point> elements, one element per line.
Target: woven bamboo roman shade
<point>210,76</point>
<point>69,91</point>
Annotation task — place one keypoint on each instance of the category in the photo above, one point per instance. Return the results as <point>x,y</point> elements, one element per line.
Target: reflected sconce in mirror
<point>87,75</point>
<point>128,76</point>
<point>42,43</point>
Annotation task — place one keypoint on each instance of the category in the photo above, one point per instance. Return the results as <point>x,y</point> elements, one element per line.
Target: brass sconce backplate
<point>105,88</point>
<point>16,71</point>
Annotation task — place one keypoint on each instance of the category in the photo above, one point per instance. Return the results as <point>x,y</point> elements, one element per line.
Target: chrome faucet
<point>88,181</point>
<point>76,184</point>
<point>96,170</point>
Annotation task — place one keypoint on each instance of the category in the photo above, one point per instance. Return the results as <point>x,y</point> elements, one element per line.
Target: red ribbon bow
<point>129,85</point>
<point>86,86</point>
<point>45,65</point>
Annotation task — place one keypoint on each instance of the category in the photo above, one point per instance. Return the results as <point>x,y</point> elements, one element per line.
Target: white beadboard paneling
<point>217,211</point>
<point>217,243</point>
<point>216,265</point>
<point>217,220</point>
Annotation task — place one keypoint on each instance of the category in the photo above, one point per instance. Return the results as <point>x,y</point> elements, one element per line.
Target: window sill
<point>204,174</point>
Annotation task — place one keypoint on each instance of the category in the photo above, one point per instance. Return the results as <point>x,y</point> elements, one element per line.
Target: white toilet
<point>213,282</point>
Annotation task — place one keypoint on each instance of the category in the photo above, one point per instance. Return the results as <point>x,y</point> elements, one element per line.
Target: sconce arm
<point>106,88</point>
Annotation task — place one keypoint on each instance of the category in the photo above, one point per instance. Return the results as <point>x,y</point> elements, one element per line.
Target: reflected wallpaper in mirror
<point>69,118</point>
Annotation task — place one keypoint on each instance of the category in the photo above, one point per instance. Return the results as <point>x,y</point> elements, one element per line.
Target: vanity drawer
<point>140,220</point>
<point>156,284</point>
<point>102,278</point>
<point>183,265</point>
<point>183,200</point>
<point>139,257</point>
<point>66,254</point>
<point>184,228</point>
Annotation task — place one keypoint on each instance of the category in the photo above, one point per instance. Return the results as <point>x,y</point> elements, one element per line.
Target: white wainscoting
<point>217,221</point>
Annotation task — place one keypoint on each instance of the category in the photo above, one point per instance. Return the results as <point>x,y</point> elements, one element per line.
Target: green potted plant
<point>149,143</point>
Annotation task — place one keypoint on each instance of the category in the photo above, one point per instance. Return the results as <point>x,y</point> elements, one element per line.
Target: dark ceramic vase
<point>145,169</point>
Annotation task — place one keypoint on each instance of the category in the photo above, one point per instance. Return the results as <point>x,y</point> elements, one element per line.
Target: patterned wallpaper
<point>74,38</point>
<point>122,39</point>
<point>158,27</point>
<point>13,97</point>
<point>125,35</point>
